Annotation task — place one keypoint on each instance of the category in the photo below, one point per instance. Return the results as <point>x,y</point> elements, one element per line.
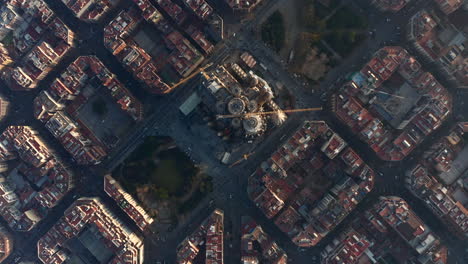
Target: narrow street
<point>164,118</point>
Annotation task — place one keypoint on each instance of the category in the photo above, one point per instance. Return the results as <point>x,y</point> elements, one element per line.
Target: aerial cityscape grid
<point>233,131</point>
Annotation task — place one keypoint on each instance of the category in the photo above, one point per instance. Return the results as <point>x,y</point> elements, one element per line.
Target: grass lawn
<point>344,42</point>
<point>168,176</point>
<point>345,18</point>
<point>160,172</point>
<point>153,163</point>
<point>343,30</point>
<point>347,29</point>
<point>273,31</point>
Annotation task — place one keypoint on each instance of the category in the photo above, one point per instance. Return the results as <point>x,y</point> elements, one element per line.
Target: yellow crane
<point>244,157</point>
<point>186,79</point>
<point>246,115</point>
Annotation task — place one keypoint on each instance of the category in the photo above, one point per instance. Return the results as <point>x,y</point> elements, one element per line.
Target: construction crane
<point>246,115</point>
<point>188,78</point>
<point>244,157</point>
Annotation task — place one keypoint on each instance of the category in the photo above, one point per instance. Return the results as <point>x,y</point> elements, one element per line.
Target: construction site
<point>237,100</point>
<point>239,104</point>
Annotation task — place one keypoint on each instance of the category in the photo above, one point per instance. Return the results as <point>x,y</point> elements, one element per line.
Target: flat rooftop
<point>88,248</point>
<point>110,126</point>
<point>399,101</point>
<point>92,239</point>
<point>459,166</point>
<point>80,254</point>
